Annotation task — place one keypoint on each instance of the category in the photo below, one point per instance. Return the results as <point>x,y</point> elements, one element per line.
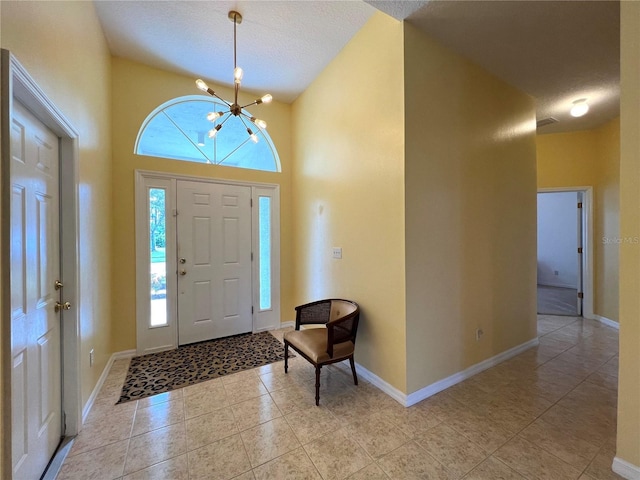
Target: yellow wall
<point>628,438</point>
<point>591,158</point>
<point>470,189</point>
<point>607,222</point>
<point>137,91</point>
<point>61,45</point>
<point>348,189</point>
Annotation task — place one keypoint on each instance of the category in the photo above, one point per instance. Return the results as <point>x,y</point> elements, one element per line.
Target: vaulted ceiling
<point>556,51</point>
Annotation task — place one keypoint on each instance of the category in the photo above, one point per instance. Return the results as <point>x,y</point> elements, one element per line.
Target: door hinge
<point>252,256</point>
<point>579,249</point>
<point>64,423</point>
<point>579,204</point>
<point>175,213</point>
<point>251,202</point>
<point>251,309</point>
<point>580,295</point>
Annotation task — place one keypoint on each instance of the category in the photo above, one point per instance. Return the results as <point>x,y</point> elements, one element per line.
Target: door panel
<point>35,326</point>
<point>18,253</point>
<point>19,414</point>
<point>214,283</point>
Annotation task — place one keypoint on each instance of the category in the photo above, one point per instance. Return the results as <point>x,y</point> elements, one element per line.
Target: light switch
<point>337,252</point>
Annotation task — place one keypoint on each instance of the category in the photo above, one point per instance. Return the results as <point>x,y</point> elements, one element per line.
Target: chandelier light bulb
<point>201,85</point>
<point>252,135</point>
<point>214,131</point>
<point>580,108</point>
<point>266,98</point>
<point>212,116</point>
<point>237,75</point>
<point>258,122</point>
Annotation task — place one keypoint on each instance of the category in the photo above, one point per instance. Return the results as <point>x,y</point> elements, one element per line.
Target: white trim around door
<point>157,332</point>
<point>587,244</point>
<point>18,85</point>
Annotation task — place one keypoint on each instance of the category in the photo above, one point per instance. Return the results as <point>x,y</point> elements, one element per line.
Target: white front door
<point>214,260</point>
<point>35,266</point>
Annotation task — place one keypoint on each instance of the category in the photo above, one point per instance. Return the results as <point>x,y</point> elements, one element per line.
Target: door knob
<point>183,272</point>
<point>62,306</point>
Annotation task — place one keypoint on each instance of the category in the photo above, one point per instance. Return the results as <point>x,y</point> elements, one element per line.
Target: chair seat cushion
<point>313,343</point>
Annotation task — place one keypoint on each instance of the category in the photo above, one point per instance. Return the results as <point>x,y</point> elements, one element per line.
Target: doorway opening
<point>564,285</point>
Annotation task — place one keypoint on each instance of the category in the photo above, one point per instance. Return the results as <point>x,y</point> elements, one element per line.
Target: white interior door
<point>35,266</point>
<point>214,260</point>
<point>580,249</point>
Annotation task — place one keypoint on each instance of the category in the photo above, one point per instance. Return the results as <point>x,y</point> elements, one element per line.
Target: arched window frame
<point>263,135</point>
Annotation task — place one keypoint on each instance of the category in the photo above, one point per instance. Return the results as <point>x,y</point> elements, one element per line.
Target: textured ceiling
<point>556,51</point>
<point>282,45</point>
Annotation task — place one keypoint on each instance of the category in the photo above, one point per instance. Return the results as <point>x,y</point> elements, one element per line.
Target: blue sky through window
<point>178,130</point>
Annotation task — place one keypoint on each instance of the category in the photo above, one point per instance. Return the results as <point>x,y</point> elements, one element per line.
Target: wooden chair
<point>322,346</point>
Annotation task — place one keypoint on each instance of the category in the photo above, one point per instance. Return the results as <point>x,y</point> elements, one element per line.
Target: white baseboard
<point>387,388</point>
<point>557,285</point>
<point>625,469</point>
<point>452,380</point>
<point>287,324</point>
<point>607,321</point>
<point>92,398</point>
<point>125,354</point>
<point>429,390</point>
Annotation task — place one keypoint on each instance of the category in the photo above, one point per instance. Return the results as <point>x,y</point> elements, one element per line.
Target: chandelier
<point>234,109</point>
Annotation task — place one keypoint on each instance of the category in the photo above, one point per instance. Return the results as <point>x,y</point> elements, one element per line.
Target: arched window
<point>178,129</point>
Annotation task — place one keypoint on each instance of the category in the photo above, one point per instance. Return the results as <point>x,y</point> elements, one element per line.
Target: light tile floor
<point>549,413</point>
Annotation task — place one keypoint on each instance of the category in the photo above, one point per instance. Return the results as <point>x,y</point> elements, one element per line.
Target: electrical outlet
<point>556,273</point>
<point>479,334</point>
<point>91,357</point>
<point>337,252</point>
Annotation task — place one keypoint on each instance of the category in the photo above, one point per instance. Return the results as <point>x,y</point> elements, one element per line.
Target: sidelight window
<point>264,226</point>
<point>158,256</point>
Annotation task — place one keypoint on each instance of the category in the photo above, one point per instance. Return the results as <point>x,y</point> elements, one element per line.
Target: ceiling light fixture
<point>580,108</point>
<point>234,108</point>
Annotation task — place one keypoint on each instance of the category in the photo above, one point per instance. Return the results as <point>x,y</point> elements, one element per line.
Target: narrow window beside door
<point>264,220</point>
<point>158,259</point>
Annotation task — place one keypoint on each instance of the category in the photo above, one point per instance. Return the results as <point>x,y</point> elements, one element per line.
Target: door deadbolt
<point>62,306</point>
<point>58,284</point>
<point>183,260</point>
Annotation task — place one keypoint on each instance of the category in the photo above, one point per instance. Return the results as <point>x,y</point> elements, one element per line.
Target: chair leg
<point>286,357</point>
<point>318,367</point>
<point>353,370</point>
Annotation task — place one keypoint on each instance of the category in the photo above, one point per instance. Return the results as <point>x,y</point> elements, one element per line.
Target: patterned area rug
<point>190,364</point>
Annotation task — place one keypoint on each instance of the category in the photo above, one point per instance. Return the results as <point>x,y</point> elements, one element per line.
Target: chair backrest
<point>341,308</point>
<point>343,326</point>
<point>313,313</point>
<point>340,316</point>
